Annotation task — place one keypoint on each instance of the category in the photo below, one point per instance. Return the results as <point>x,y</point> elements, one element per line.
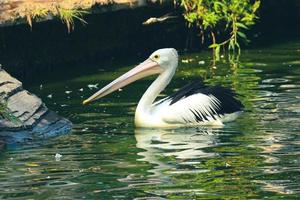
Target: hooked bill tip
<point>85,102</point>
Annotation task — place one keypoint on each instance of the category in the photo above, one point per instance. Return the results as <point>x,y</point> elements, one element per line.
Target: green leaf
<point>240,25</point>
<point>242,35</point>
<point>255,6</point>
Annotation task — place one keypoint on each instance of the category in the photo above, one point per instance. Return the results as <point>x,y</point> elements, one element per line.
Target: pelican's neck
<point>145,103</point>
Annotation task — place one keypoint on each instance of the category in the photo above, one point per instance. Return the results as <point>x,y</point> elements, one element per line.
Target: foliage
<point>235,16</point>
<point>66,15</point>
<point>38,13</point>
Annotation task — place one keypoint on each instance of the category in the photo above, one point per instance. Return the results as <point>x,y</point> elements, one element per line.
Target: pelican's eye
<point>156,56</point>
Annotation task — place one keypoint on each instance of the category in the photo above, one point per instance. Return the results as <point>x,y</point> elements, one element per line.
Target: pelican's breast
<point>153,116</point>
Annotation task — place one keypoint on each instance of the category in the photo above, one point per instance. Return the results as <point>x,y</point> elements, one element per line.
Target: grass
<point>35,14</point>
<point>67,16</point>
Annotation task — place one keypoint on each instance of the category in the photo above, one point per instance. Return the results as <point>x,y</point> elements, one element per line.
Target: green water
<point>106,157</point>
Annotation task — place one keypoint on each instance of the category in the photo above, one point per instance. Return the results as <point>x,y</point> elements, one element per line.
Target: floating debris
<point>85,129</point>
<point>93,86</point>
<point>187,60</point>
<point>68,91</point>
<point>81,90</point>
<point>201,62</point>
<point>50,96</point>
<point>57,156</point>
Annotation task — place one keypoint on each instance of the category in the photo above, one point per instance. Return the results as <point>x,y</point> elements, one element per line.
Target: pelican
<point>193,105</point>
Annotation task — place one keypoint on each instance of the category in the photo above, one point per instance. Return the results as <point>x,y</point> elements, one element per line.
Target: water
<point>105,157</point>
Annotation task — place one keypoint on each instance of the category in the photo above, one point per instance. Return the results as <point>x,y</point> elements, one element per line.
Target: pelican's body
<point>193,105</point>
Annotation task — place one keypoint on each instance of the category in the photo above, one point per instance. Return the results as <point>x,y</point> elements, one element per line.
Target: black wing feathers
<point>186,91</point>
<point>226,96</point>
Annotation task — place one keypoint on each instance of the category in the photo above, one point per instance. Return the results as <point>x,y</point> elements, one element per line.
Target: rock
<point>32,118</point>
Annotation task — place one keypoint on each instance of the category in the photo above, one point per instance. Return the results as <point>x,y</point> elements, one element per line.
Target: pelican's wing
<point>196,103</point>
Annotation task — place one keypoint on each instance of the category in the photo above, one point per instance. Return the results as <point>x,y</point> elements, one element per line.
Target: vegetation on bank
<point>6,114</point>
<point>67,16</point>
<point>217,18</point>
<point>14,12</point>
<point>223,22</point>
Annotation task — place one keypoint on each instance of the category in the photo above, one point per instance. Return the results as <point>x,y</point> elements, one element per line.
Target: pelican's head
<point>166,58</point>
<point>158,62</point>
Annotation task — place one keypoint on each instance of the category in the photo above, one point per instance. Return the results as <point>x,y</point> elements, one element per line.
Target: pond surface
<point>106,157</point>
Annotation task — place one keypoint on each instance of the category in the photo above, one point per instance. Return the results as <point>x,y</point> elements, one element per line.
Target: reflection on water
<point>105,157</point>
<point>182,144</point>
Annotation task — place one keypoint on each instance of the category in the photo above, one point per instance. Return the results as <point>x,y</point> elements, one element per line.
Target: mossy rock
<point>30,117</point>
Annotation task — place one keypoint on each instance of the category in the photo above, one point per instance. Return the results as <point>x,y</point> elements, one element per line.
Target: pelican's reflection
<point>167,149</point>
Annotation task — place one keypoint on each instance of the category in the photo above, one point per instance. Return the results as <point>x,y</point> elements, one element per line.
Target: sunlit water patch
<point>105,157</point>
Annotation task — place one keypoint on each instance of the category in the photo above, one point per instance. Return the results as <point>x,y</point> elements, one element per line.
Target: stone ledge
<point>33,118</point>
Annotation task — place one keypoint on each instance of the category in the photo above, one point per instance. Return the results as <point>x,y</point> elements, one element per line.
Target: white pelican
<point>193,105</point>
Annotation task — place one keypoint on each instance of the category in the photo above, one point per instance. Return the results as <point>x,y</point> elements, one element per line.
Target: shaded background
<point>48,51</point>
